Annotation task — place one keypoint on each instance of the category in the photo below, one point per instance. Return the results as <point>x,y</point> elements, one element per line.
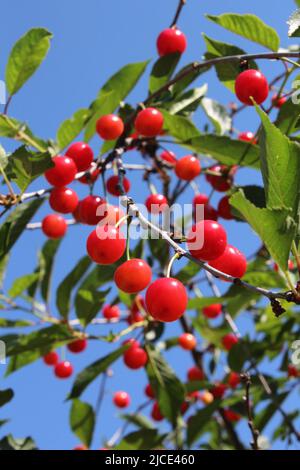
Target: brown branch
<point>255,433</point>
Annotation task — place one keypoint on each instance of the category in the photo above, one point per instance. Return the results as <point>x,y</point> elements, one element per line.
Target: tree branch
<point>181,4</point>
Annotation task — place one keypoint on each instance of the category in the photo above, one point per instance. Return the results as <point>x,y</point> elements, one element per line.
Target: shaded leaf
<point>82,421</point>
<point>162,71</point>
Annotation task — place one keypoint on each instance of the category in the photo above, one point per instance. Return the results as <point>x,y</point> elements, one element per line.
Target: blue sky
<point>92,40</point>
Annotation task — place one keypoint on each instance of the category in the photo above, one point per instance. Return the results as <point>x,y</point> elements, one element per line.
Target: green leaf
<point>227,71</point>
<point>21,284</point>
<point>6,396</point>
<point>47,258</point>
<point>288,116</point>
<point>197,422</point>
<point>89,374</point>
<point>200,302</point>
<point>162,71</point>
<point>250,27</point>
<point>26,56</point>
<point>294,24</point>
<point>226,150</point>
<point>169,391</point>
<point>19,361</point>
<point>88,303</point>
<point>65,288</point>
<point>184,82</point>
<point>217,114</point>
<point>179,127</point>
<point>11,127</point>
<point>145,439</point>
<point>188,272</point>
<point>237,357</point>
<point>188,101</point>
<point>10,443</point>
<point>82,421</point>
<point>15,223</point>
<point>138,420</point>
<point>4,323</point>
<point>72,127</point>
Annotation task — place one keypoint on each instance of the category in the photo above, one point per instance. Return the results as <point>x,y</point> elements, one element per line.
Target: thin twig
<point>181,4</point>
<point>255,433</point>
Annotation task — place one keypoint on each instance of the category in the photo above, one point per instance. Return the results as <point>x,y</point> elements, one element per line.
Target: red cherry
<point>91,177</point>
<point>149,122</point>
<point>187,341</point>
<point>200,199</point>
<point>233,380</point>
<point>207,240</point>
<point>92,209</point>
<point>77,214</point>
<point>221,182</point>
<point>63,172</point>
<point>184,407</point>
<point>293,371</point>
<point>166,299</point>
<point>51,359</point>
<point>168,157</point>
<point>135,358</point>
<point>231,262</point>
<point>133,276</point>
<point>132,342</point>
<point>248,137</point>
<point>278,101</point>
<point>113,214</point>
<point>149,392</point>
<point>112,185</point>
<point>156,203</point>
<point>171,40</point>
<point>224,209</point>
<point>229,341</point>
<point>207,212</point>
<point>63,370</point>
<point>121,399</point>
<point>110,127</point>
<point>111,311</point>
<point>138,304</point>
<point>80,447</point>
<point>290,266</point>
<point>135,317</point>
<point>218,390</point>
<point>212,311</point>
<point>156,413</point>
<point>77,346</point>
<point>63,200</point>
<point>251,83</point>
<point>82,155</point>
<point>194,396</point>
<point>195,374</point>
<point>106,245</point>
<point>187,168</point>
<point>232,416</point>
<point>54,226</point>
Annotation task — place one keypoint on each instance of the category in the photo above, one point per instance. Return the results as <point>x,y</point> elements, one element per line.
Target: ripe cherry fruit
<point>168,157</point>
<point>82,155</point>
<point>133,276</point>
<point>248,137</point>
<point>156,203</point>
<point>106,245</point>
<point>63,200</point>
<point>207,240</point>
<point>212,311</point>
<point>121,399</point>
<point>135,357</point>
<point>92,209</point>
<point>156,413</point>
<point>251,84</point>
<point>195,374</point>
<point>171,40</point>
<point>229,341</point>
<point>111,311</point>
<point>77,346</point>
<point>218,390</point>
<point>51,359</point>
<point>293,371</point>
<point>278,101</point>
<point>149,122</point>
<point>207,212</point>
<point>90,177</point>
<point>231,262</point>
<point>187,341</point>
<point>233,379</point>
<point>149,392</point>
<point>110,127</point>
<point>222,180</point>
<point>166,299</point>
<point>232,416</point>
<point>63,172</point>
<point>224,209</point>
<point>112,185</point>
<point>63,370</point>
<point>188,168</point>
<point>54,226</point>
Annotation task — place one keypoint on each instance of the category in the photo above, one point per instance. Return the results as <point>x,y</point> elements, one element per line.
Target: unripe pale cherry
<point>82,155</point>
<point>149,122</point>
<point>187,341</point>
<point>166,299</point>
<point>171,40</point>
<point>251,84</point>
<point>168,157</point>
<point>51,359</point>
<point>63,370</point>
<point>106,245</point>
<point>248,137</point>
<point>63,172</point>
<point>188,168</point>
<point>224,209</point>
<point>212,311</point>
<point>223,179</point>
<point>63,200</point>
<point>77,346</point>
<point>111,312</point>
<point>112,185</point>
<point>206,397</point>
<point>135,358</point>
<point>110,127</point>
<point>207,240</point>
<point>195,374</point>
<point>156,203</point>
<point>54,226</point>
<point>231,262</point>
<point>92,209</point>
<point>121,399</point>
<point>228,341</point>
<point>133,276</point>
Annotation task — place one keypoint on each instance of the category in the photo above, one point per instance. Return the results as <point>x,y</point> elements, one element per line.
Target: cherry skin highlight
<point>166,299</point>
<point>77,346</point>
<point>92,210</point>
<point>251,83</point>
<point>149,122</point>
<point>156,203</point>
<point>133,276</point>
<point>82,155</point>
<point>171,40</point>
<point>135,358</point>
<point>106,245</point>
<point>110,127</point>
<point>54,226</point>
<point>51,359</point>
<point>111,311</point>
<point>187,341</point>
<point>248,137</point>
<point>188,168</point>
<point>168,157</point>
<point>121,399</point>
<point>112,185</point>
<point>63,172</point>
<point>63,200</point>
<point>231,262</point>
<point>63,370</point>
<point>221,182</point>
<point>207,240</point>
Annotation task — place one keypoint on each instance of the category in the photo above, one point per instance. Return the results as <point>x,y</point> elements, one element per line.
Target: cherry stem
<point>181,4</point>
<point>297,256</point>
<point>172,260</point>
